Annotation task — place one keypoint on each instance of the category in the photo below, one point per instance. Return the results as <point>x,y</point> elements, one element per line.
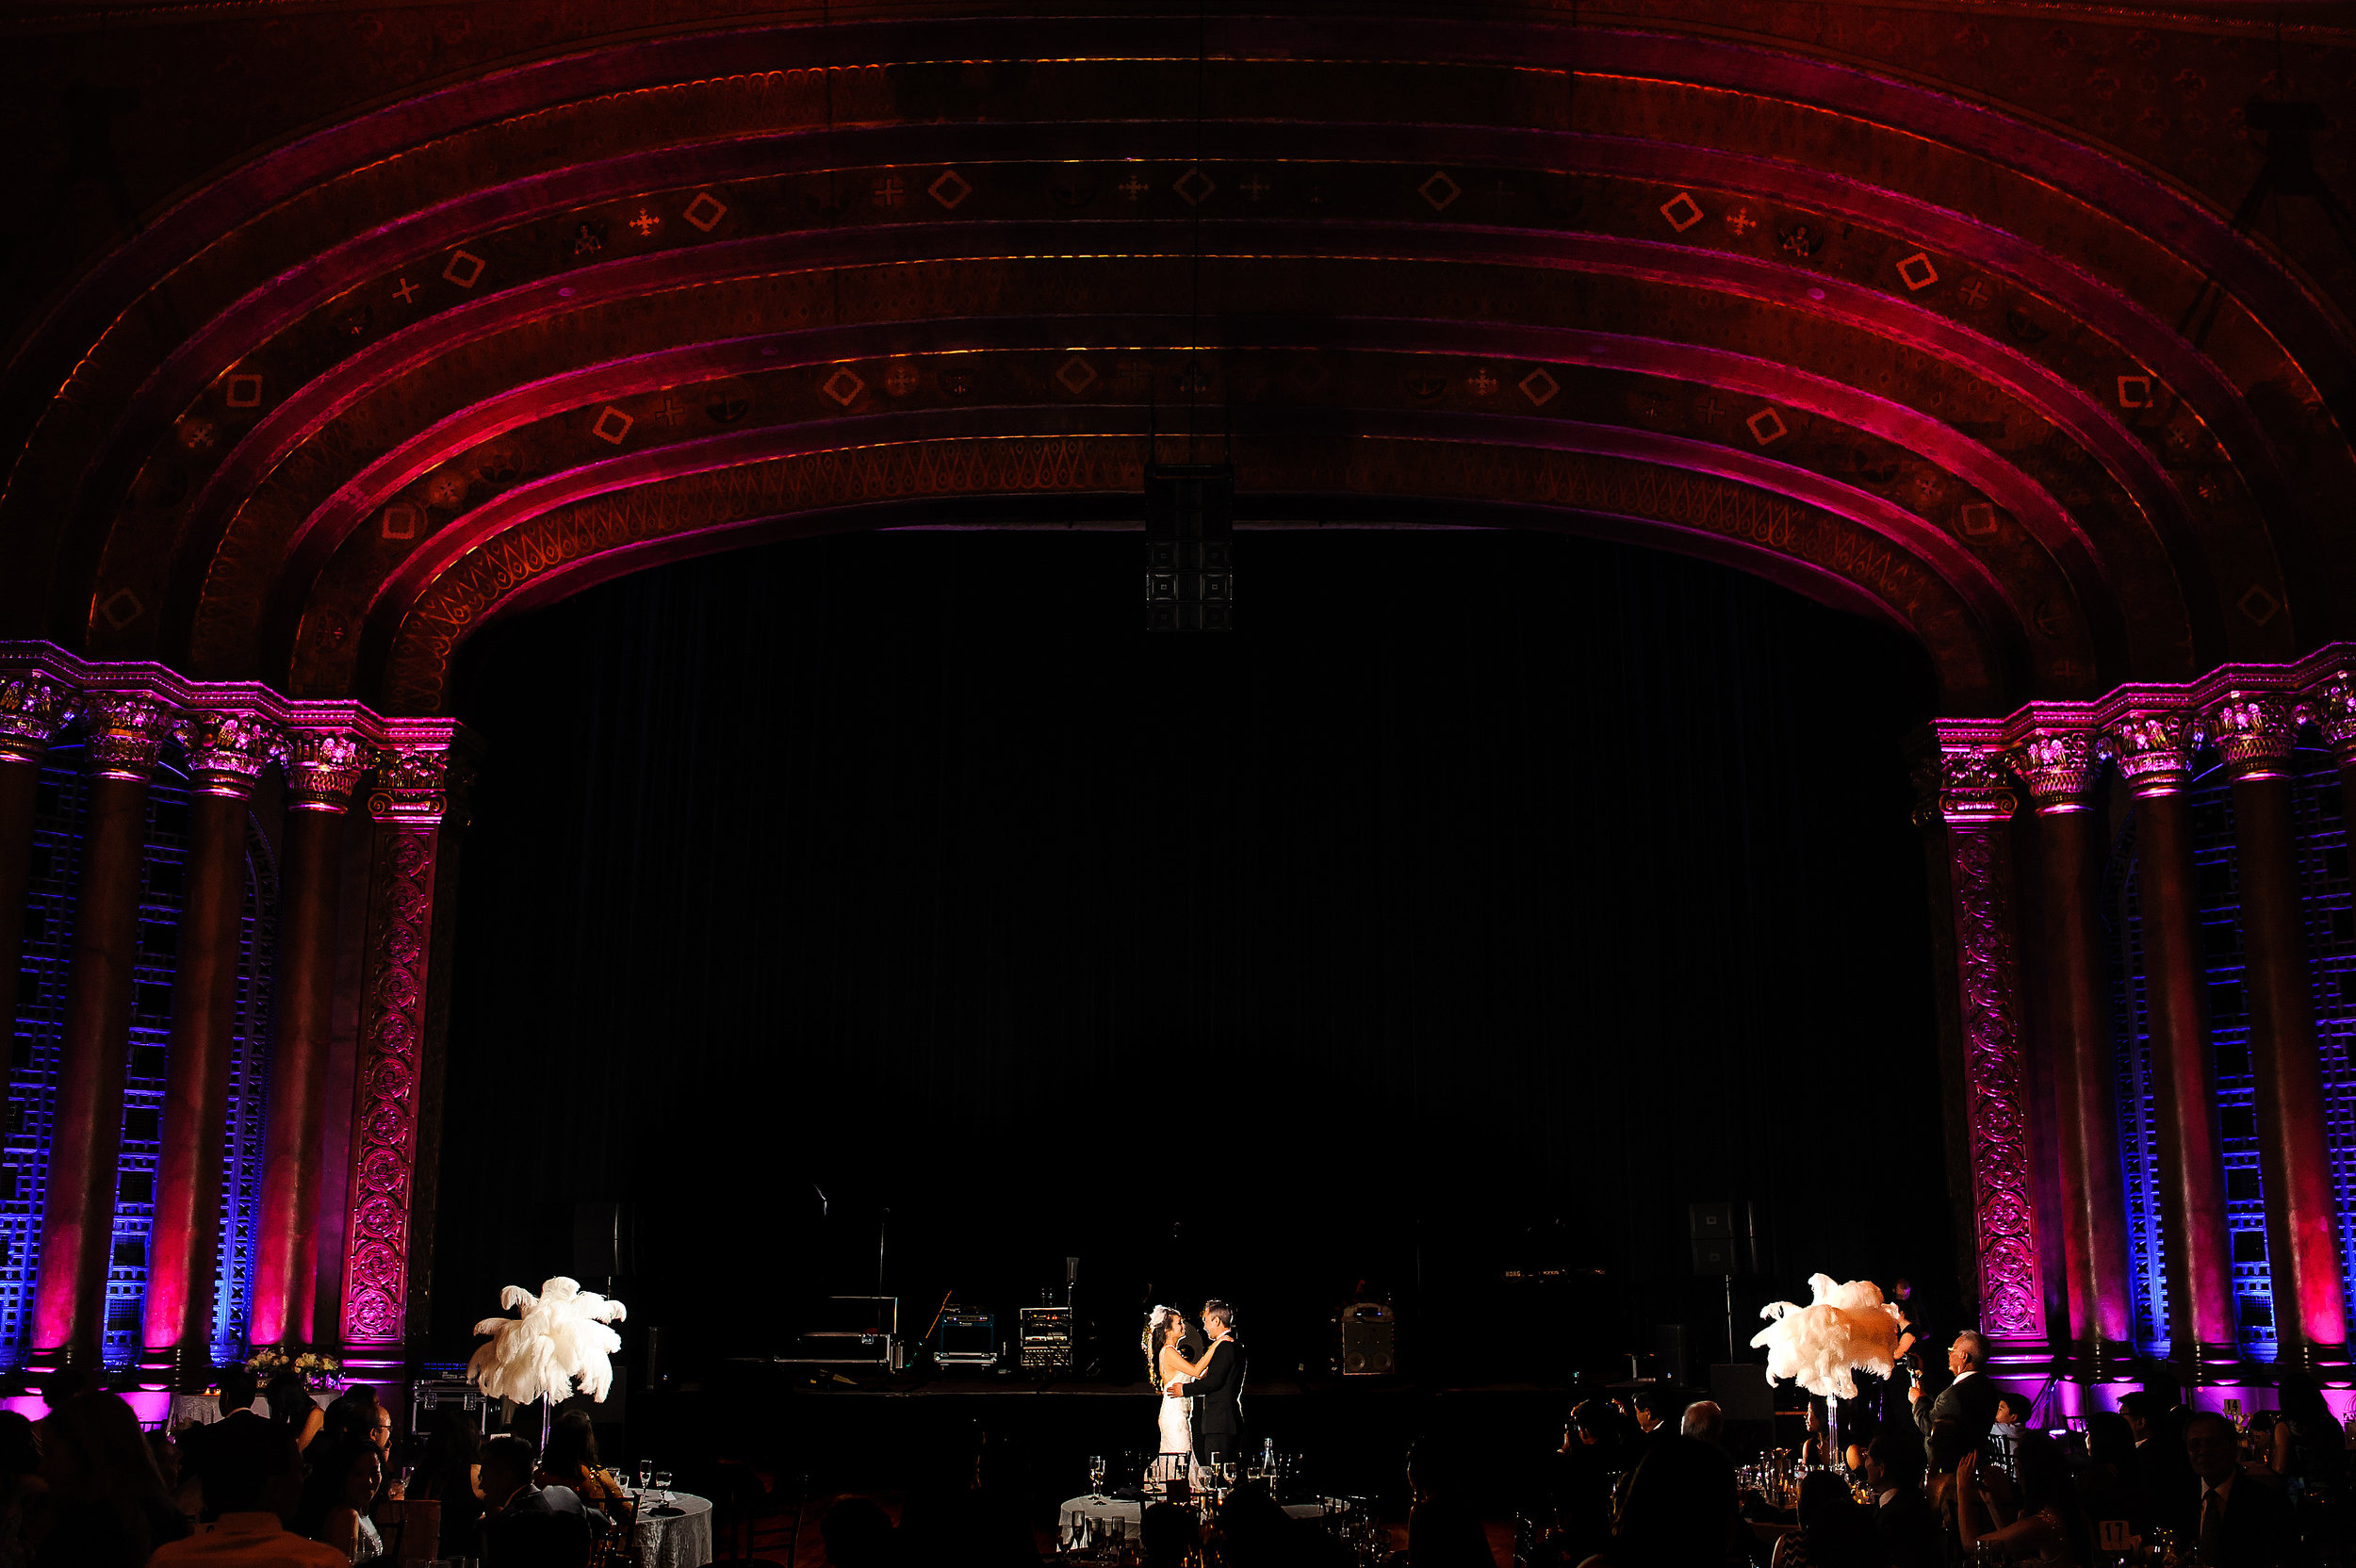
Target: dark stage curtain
<point>1486,900</point>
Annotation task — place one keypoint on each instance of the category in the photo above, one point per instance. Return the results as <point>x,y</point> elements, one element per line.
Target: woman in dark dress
<point>108,1507</point>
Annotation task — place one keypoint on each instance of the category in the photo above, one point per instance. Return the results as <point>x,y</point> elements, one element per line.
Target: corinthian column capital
<point>128,731</point>
<point>33,707</point>
<point>420,783</point>
<point>2332,704</point>
<point>2153,748</point>
<point>2254,732</point>
<point>1963,782</point>
<point>323,768</point>
<point>2059,765</point>
<point>227,750</point>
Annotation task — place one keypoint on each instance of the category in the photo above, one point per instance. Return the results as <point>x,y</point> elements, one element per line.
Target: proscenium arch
<point>1931,332</point>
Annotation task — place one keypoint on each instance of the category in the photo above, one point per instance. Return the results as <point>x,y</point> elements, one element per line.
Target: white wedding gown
<point>1177,1424</point>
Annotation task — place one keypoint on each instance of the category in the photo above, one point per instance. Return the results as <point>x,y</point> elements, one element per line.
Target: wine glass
<point>663,1485</point>
<point>1096,1477</point>
<point>1227,1474</point>
<point>645,1474</point>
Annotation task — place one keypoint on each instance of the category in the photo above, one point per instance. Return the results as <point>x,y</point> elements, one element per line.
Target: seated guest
<point>2033,1520</point>
<point>2308,1448</point>
<point>452,1475</point>
<point>1832,1532</point>
<point>107,1505</point>
<point>572,1461</point>
<point>2242,1521</point>
<point>1169,1533</point>
<point>1705,1423</point>
<point>1678,1511</point>
<point>1444,1530</point>
<point>859,1534</point>
<point>526,1525</point>
<point>1579,1495</point>
<point>1654,1408</point>
<point>253,1479</point>
<point>291,1406</point>
<point>2111,1488</point>
<point>2169,1482</point>
<point>23,1492</point>
<point>345,1474</point>
<point>1906,1527</point>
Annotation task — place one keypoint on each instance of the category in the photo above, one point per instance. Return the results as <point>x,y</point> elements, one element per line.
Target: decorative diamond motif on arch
<point>844,386</point>
<point>950,189</point>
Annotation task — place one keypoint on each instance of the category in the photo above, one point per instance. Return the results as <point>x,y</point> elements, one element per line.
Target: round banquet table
<point>1131,1512</point>
<point>683,1541</point>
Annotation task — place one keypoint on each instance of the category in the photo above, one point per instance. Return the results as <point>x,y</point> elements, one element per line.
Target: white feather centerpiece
<point>559,1339</point>
<point>1847,1329</point>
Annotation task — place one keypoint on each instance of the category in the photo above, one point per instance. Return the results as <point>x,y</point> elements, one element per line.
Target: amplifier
<point>1046,1338</point>
<point>966,1338</point>
<point>1367,1350</point>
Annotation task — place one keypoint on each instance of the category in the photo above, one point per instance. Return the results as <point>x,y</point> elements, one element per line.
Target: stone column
<point>226,752</point>
<point>2256,733</point>
<point>1976,799</point>
<point>2060,767</point>
<point>323,767</point>
<point>2154,749</point>
<point>417,811</point>
<point>126,735</point>
<point>33,707</point>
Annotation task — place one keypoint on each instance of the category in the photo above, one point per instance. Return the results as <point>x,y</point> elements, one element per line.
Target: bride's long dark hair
<point>1156,1335</point>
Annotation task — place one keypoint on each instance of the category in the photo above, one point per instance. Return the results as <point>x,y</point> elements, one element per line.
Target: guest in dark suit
<point>2244,1523</point>
<point>526,1525</point>
<point>1906,1527</point>
<point>2170,1486</point>
<point>1970,1400</point>
<point>2111,1488</point>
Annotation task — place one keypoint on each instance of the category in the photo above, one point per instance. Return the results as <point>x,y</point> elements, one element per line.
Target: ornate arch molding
<point>174,251</point>
<point>1769,394</point>
<point>715,488</point>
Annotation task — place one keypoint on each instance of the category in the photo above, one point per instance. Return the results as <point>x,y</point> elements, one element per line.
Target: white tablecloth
<point>681,1541</point>
<point>1099,1512</point>
<point>203,1409</point>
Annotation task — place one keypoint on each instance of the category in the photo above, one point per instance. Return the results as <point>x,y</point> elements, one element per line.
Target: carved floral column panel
<point>1974,799</point>
<point>421,777</point>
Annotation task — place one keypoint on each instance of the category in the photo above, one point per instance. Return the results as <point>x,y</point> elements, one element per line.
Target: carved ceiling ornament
<point>128,731</point>
<point>2254,732</point>
<point>2059,765</point>
<point>2154,748</point>
<point>323,768</point>
<point>33,707</point>
<point>227,750</point>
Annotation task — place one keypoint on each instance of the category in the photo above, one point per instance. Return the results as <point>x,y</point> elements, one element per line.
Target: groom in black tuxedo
<point>1219,1393</point>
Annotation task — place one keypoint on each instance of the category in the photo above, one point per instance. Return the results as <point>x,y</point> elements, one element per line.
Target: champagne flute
<point>1096,1477</point>
<point>645,1474</point>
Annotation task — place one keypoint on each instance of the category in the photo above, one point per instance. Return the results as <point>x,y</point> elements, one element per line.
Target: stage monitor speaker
<point>1668,1350</point>
<point>1742,1392</point>
<point>601,1243</point>
<point>650,1372</point>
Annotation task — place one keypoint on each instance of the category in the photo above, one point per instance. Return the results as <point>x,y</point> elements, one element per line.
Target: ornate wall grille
<point>54,873</point>
<point>2329,912</point>
<point>249,1089</point>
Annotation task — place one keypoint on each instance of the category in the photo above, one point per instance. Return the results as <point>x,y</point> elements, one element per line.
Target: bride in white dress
<point>1167,1363</point>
